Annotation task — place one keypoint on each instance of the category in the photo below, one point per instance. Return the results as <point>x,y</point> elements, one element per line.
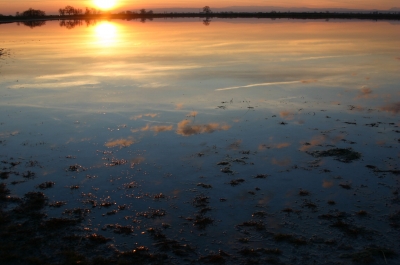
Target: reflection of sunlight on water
<point>106,34</point>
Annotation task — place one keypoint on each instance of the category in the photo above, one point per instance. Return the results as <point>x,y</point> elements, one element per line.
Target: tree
<point>143,11</point>
<point>33,13</point>
<point>70,10</point>
<point>207,9</point>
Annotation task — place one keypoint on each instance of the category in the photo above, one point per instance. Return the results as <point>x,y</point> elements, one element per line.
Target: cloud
<point>145,128</point>
<point>356,108</point>
<point>54,85</point>
<point>192,114</point>
<point>381,143</point>
<point>161,128</point>
<point>282,162</point>
<point>235,145</point>
<point>263,147</point>
<point>155,128</point>
<point>137,160</point>
<point>287,115</point>
<point>7,134</point>
<point>120,142</point>
<point>152,115</point>
<point>186,128</point>
<point>327,183</point>
<point>366,93</point>
<point>309,81</point>
<point>316,140</point>
<point>393,108</point>
<point>262,84</point>
<point>179,106</point>
<point>281,145</point>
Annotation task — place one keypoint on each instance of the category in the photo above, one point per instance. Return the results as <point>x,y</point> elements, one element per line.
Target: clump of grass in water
<point>289,238</point>
<point>46,185</point>
<point>257,225</point>
<point>345,155</point>
<point>236,182</point>
<point>369,254</point>
<point>304,193</point>
<point>3,191</point>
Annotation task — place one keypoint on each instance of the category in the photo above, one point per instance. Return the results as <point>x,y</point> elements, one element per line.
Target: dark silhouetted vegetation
<point>207,10</point>
<point>33,13</point>
<point>144,12</point>
<point>34,24</point>
<point>70,10</point>
<point>72,23</point>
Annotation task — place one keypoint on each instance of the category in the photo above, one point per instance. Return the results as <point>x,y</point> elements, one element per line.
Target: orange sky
<point>51,6</point>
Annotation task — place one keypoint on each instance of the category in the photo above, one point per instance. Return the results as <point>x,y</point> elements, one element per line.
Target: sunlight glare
<point>105,4</point>
<point>106,33</point>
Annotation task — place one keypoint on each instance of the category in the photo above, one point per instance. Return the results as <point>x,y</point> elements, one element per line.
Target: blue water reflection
<point>277,123</point>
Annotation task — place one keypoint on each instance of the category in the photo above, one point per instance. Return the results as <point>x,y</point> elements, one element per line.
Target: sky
<point>8,7</point>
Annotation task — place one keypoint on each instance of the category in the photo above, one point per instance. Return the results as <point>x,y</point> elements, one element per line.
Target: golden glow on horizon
<point>105,4</point>
<point>106,33</point>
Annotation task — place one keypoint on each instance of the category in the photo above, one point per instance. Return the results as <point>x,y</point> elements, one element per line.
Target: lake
<point>183,141</point>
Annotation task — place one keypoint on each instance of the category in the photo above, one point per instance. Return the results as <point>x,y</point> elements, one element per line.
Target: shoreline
<point>302,16</point>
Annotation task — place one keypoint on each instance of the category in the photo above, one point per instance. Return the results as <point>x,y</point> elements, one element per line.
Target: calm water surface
<point>204,131</point>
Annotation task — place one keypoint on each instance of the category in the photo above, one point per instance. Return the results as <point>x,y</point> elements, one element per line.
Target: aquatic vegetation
<point>46,185</point>
<point>206,186</point>
<point>258,225</point>
<point>370,254</point>
<point>304,193</point>
<point>152,213</point>
<point>343,155</point>
<point>290,238</point>
<point>235,182</point>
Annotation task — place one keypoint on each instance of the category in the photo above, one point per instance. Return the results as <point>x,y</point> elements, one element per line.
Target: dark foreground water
<point>174,142</point>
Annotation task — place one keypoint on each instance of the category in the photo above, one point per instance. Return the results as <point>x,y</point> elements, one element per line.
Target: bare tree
<point>207,10</point>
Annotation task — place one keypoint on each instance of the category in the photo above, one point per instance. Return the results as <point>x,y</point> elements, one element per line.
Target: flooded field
<point>238,141</point>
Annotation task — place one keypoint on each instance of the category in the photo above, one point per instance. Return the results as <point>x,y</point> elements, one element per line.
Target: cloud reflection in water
<point>120,142</point>
<point>186,128</point>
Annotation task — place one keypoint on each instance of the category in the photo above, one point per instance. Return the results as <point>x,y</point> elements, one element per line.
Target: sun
<point>105,4</point>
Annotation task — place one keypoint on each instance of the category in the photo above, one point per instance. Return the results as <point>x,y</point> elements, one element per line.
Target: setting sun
<point>105,4</point>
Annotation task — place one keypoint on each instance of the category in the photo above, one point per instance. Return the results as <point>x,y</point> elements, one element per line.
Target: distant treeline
<point>31,13</point>
<point>70,12</point>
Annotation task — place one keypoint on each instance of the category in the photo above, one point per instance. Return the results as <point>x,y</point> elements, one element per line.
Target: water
<point>132,120</point>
